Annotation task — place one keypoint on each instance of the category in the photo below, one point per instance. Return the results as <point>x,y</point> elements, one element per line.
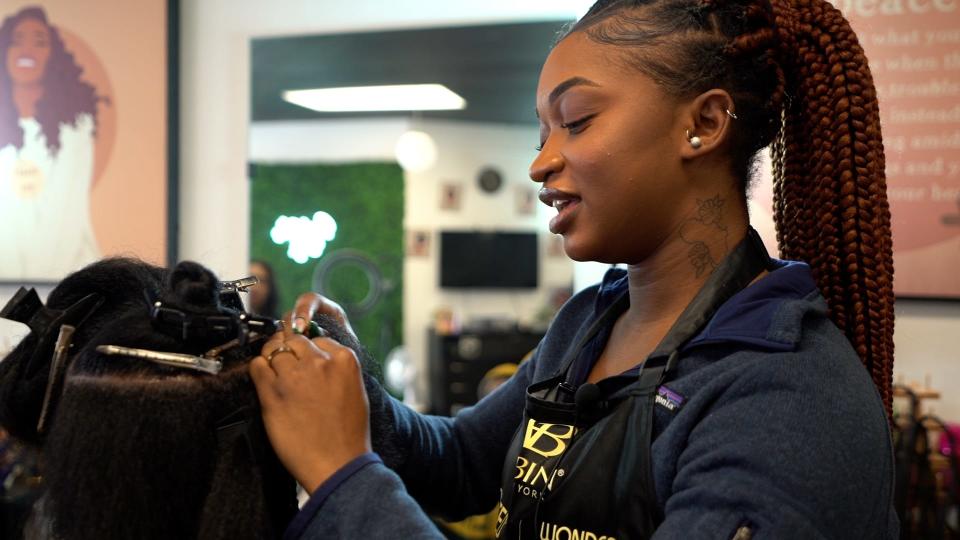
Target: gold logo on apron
<point>502,516</point>
<point>548,440</point>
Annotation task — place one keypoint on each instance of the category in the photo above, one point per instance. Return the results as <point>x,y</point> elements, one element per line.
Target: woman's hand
<point>314,405</point>
<point>310,303</point>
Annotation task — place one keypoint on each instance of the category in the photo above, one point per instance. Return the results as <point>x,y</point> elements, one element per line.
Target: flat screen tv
<point>488,260</point>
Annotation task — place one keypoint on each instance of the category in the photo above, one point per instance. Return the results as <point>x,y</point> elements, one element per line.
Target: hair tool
<point>230,323</point>
<point>54,330</point>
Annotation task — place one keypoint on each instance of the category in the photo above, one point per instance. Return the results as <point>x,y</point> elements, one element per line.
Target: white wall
<point>329,141</point>
<point>463,149</point>
<point>927,348</point>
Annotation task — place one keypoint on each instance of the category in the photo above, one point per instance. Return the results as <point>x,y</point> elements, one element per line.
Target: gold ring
<point>278,350</point>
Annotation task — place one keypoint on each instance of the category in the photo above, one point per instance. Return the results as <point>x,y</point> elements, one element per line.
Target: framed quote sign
<point>913,48</point>
<point>914,52</point>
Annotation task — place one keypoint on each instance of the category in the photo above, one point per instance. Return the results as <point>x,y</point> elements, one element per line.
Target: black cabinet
<point>458,362</point>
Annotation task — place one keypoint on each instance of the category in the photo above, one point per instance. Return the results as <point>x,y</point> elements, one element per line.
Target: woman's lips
<point>566,205</point>
<point>566,211</point>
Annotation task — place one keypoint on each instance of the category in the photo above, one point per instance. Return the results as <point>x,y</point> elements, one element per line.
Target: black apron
<point>579,465</point>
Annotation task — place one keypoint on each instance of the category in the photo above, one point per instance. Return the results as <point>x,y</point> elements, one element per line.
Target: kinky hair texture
<point>136,449</point>
<point>801,84</point>
<point>23,379</point>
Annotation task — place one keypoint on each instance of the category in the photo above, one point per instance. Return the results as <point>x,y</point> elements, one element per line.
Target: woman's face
<point>610,156</point>
<point>29,51</point>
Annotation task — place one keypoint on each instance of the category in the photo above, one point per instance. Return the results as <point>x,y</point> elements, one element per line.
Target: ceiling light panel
<point>406,97</point>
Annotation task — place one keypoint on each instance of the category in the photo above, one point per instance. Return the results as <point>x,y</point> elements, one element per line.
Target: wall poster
<point>87,168</point>
<point>913,47</point>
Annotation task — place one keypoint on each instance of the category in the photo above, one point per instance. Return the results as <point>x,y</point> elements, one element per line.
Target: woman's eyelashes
<point>577,125</point>
<point>574,127</point>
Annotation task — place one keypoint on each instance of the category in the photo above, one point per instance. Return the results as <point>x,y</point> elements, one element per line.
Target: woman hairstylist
<point>704,392</point>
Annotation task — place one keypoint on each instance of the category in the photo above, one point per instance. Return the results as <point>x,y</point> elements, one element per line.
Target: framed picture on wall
<point>526,201</point>
<point>88,161</point>
<point>418,243</point>
<point>450,195</point>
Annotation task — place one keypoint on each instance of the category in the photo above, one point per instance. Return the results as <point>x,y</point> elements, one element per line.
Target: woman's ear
<point>707,123</point>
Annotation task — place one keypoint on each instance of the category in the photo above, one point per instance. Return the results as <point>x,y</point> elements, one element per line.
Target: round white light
<point>416,151</point>
<point>307,238</point>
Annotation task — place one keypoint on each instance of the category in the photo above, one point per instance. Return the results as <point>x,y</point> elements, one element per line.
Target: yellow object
<point>482,527</point>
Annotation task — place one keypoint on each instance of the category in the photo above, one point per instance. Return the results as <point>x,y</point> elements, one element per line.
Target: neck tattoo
<point>706,225</point>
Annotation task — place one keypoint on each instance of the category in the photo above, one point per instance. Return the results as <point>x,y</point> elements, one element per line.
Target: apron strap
<point>747,260</point>
<point>612,312</point>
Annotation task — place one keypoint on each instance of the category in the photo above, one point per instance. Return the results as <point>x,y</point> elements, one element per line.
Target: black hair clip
<point>248,324</point>
<point>50,357</point>
<point>25,307</point>
<point>44,323</point>
<point>227,324</point>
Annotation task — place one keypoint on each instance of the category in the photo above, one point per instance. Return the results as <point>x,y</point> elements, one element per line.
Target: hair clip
<point>24,307</point>
<point>239,285</point>
<point>185,361</point>
<point>58,368</point>
<point>220,349</point>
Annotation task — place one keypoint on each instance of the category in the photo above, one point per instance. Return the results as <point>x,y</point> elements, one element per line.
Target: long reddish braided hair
<point>802,86</point>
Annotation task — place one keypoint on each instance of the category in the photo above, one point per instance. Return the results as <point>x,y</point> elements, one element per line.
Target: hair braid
<point>831,207</point>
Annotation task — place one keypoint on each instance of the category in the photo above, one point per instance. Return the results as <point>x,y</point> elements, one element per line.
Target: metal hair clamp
<point>185,361</point>
<point>239,285</point>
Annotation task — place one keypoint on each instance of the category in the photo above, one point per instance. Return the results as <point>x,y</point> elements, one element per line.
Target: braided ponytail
<point>801,85</point>
<point>830,196</point>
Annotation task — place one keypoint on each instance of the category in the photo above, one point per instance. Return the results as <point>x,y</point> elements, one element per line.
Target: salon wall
<point>463,149</point>
<point>215,100</point>
<point>215,110</point>
<point>215,68</point>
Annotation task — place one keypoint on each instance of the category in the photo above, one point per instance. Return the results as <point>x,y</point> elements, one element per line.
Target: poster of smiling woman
<point>83,135</point>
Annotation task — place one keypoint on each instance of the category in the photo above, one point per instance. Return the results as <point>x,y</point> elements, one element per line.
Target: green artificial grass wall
<point>366,201</point>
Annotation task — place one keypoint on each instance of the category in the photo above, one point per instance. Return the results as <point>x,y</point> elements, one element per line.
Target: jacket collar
<point>766,315</point>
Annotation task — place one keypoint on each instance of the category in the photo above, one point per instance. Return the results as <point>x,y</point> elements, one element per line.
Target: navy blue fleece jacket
<point>779,427</point>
